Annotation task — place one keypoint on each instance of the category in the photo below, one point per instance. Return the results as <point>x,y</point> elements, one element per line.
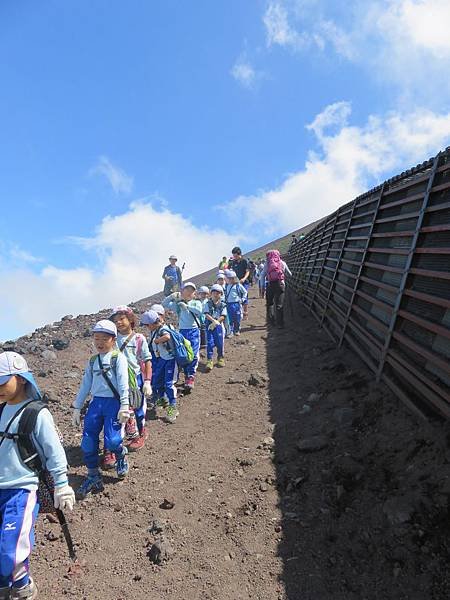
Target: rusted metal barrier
<point>376,275</point>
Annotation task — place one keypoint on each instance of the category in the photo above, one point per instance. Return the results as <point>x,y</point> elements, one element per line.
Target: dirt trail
<point>348,501</point>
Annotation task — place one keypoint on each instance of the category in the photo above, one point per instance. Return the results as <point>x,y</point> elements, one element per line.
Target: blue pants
<point>18,512</point>
<point>164,376</point>
<point>247,286</point>
<point>140,412</point>
<point>235,316</point>
<point>193,335</point>
<point>101,414</point>
<point>216,339</point>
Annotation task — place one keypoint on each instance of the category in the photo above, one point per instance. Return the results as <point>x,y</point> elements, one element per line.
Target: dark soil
<point>291,475</point>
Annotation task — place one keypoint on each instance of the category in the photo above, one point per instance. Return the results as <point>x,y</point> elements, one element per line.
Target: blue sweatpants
<point>215,339</point>
<point>18,512</point>
<point>141,411</point>
<point>193,335</point>
<point>235,316</point>
<point>164,376</point>
<point>101,414</point>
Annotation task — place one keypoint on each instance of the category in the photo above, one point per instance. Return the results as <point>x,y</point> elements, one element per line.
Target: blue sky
<point>131,130</point>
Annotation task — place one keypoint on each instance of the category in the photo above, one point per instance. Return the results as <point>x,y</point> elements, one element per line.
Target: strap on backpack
<point>107,379</point>
<point>195,319</point>
<point>125,342</point>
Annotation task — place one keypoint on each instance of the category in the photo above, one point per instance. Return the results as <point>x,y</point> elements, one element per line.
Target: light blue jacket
<point>235,292</point>
<point>13,473</point>
<point>94,383</point>
<point>135,352</point>
<point>163,351</point>
<point>186,319</point>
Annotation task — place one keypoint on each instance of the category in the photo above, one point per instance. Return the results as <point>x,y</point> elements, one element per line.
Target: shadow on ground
<point>363,487</point>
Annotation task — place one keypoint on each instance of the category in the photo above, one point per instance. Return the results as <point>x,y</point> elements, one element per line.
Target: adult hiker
<point>275,271</point>
<point>223,264</point>
<point>172,276</point>
<point>241,267</point>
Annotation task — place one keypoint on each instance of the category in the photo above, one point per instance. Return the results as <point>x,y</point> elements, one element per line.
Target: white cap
<point>11,363</point>
<point>173,257</point>
<point>105,326</point>
<point>189,284</point>
<point>230,274</point>
<point>217,288</point>
<point>204,289</point>
<point>158,308</point>
<point>149,317</point>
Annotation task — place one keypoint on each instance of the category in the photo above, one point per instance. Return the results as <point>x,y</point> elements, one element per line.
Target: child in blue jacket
<point>106,379</point>
<point>19,504</point>
<point>235,295</point>
<point>189,312</point>
<point>215,312</point>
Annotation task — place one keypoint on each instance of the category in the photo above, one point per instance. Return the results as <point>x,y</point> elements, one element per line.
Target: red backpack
<point>275,271</point>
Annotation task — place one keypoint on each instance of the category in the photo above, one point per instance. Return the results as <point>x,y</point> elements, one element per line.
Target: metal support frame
<point>341,252</point>
<point>361,266</point>
<point>325,258</point>
<point>406,269</point>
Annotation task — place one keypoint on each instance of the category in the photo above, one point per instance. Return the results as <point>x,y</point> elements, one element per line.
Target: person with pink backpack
<point>275,271</point>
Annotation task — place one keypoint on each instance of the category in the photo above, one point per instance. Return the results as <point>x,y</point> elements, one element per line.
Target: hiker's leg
<point>141,410</point>
<point>193,335</point>
<point>219,340</point>
<point>157,379</point>
<point>114,430</point>
<point>279,302</point>
<point>270,302</point>
<point>210,344</point>
<point>18,512</point>
<point>245,302</point>
<point>170,377</point>
<point>93,424</point>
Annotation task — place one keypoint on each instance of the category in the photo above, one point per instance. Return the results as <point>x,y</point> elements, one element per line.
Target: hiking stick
<point>67,535</point>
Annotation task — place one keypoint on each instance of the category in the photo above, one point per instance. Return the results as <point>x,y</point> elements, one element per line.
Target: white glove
<point>123,415</point>
<point>147,389</point>
<point>182,305</point>
<point>175,296</point>
<point>64,497</point>
<point>76,417</point>
<point>212,326</point>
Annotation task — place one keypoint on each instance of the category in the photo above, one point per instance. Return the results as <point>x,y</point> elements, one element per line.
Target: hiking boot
<point>161,403</point>
<point>122,466</point>
<point>108,460</point>
<point>23,593</point>
<point>172,414</point>
<point>138,442</point>
<point>221,362</point>
<point>131,430</point>
<point>237,333</point>
<point>189,383</point>
<point>5,593</point>
<point>91,485</point>
<point>209,365</point>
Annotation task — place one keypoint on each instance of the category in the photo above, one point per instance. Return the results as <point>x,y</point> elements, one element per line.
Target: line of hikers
<point>130,375</point>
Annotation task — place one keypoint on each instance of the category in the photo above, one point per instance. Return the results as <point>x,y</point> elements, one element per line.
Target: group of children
<point>129,371</point>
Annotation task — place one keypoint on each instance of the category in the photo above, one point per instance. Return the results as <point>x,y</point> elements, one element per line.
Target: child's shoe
<point>122,466</point>
<point>138,442</point>
<point>90,485</point>
<point>209,365</point>
<point>221,362</point>
<point>131,430</point>
<point>24,593</point>
<point>189,384</point>
<point>237,333</point>
<point>172,414</point>
<point>108,460</point>
<point>162,402</point>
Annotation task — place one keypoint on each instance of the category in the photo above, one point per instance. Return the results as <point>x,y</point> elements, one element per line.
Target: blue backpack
<point>181,348</point>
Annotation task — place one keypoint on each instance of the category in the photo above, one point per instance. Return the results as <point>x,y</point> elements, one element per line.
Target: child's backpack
<point>134,391</point>
<point>181,348</point>
<point>275,271</point>
<point>28,451</point>
<point>229,289</point>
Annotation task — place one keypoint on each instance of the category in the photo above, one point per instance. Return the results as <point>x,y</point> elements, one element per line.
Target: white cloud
<point>244,73</point>
<point>132,248</point>
<point>21,256</point>
<point>117,178</point>
<point>351,160</point>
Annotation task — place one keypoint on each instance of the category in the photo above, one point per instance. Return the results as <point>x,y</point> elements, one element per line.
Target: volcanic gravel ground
<point>288,475</point>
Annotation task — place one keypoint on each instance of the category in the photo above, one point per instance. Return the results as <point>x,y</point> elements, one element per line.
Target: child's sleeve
<point>122,379</point>
<point>144,354</point>
<point>243,291</point>
<point>195,306</point>
<point>85,387</point>
<point>170,304</point>
<point>49,447</point>
<point>224,311</point>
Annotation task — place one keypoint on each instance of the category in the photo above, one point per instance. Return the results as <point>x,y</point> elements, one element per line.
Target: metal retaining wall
<point>376,274</point>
